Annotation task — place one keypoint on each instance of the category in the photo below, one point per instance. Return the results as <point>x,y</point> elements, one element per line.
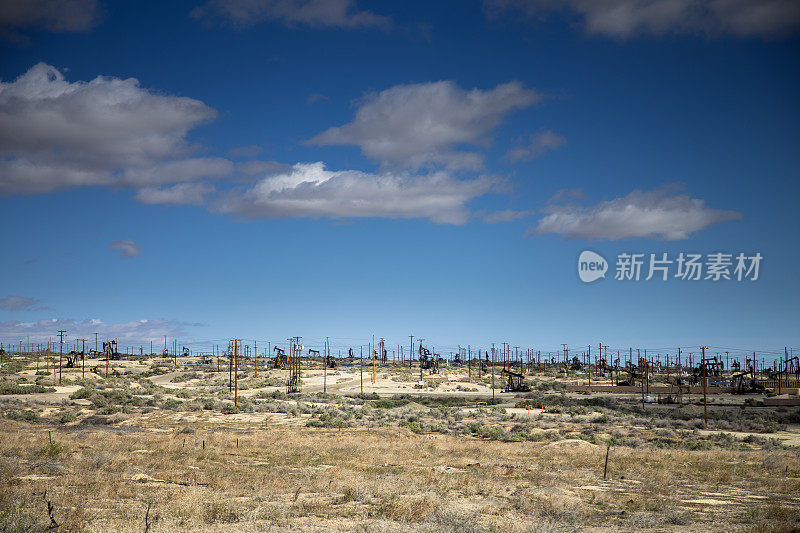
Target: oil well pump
<point>280,360</point>
<point>72,358</point>
<point>515,381</point>
<point>110,351</point>
<point>428,361</point>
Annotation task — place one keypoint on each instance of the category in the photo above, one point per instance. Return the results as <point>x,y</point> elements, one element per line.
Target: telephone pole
<point>705,385</point>
<point>83,358</point>
<point>236,343</point>
<point>60,351</point>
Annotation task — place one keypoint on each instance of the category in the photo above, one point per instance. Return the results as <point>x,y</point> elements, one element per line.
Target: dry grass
<point>378,479</point>
<point>121,446</point>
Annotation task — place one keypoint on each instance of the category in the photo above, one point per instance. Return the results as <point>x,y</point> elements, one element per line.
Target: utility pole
<point>589,368</point>
<point>785,366</point>
<point>361,368</point>
<point>95,342</point>
<point>83,358</point>
<point>420,359</point>
<point>411,352</point>
<point>644,378</point>
<point>492,371</point>
<point>60,351</point>
<point>705,385</point>
<point>469,362</point>
<point>374,356</point>
<point>325,366</point>
<point>236,372</point>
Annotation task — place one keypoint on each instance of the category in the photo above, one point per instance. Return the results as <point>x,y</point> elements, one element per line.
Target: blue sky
<point>347,168</point>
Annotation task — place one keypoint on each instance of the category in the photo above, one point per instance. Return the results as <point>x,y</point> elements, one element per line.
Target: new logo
<point>591,266</point>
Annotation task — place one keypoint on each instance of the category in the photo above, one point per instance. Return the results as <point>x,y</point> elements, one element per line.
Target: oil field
<point>298,438</point>
<point>496,266</point>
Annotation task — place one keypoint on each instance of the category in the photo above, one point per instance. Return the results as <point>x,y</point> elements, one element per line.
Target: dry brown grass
<point>288,478</point>
<point>121,448</point>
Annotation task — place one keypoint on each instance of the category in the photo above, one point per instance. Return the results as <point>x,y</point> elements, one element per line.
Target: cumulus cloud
<point>628,18</point>
<point>652,214</point>
<point>181,170</point>
<point>180,194</point>
<point>252,168</point>
<point>57,135</point>
<point>129,333</point>
<point>18,303</point>
<point>418,125</point>
<point>249,151</point>
<point>58,16</point>
<point>310,13</point>
<point>309,190</point>
<point>127,248</point>
<point>538,145</point>
<point>507,215</point>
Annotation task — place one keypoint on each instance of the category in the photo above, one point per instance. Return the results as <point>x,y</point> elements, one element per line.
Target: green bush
<point>7,387</point>
<point>23,416</point>
<point>81,394</point>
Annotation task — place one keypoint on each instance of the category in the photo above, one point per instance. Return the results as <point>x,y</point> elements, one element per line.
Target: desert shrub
<point>388,403</point>
<point>172,404</point>
<point>26,415</point>
<point>7,387</point>
<point>328,420</point>
<point>66,417</point>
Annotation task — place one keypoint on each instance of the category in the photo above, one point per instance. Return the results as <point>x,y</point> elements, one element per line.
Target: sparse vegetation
<point>448,458</point>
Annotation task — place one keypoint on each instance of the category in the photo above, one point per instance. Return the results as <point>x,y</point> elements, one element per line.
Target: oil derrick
<point>293,384</point>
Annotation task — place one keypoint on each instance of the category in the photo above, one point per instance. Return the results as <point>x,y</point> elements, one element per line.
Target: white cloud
<point>252,168</point>
<point>311,13</point>
<point>180,194</point>
<point>628,18</point>
<point>127,248</point>
<point>308,190</point>
<point>129,333</point>
<point>18,303</point>
<point>180,170</point>
<point>538,145</point>
<point>506,215</point>
<point>59,16</point>
<point>652,214</point>
<point>413,126</point>
<point>249,151</point>
<point>56,135</point>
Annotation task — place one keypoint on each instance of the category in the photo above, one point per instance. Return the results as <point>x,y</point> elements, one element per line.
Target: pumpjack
<point>515,381</point>
<point>744,382</point>
<point>330,361</point>
<point>72,358</point>
<point>110,351</point>
<point>280,360</point>
<point>428,361</point>
<point>633,375</point>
